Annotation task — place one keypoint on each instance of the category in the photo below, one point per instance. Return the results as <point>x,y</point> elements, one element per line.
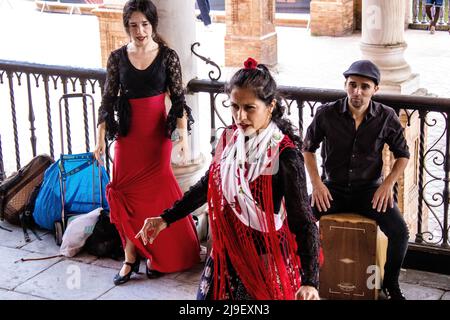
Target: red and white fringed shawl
<point>264,258</point>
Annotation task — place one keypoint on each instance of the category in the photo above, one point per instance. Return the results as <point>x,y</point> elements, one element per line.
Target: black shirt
<point>289,182</point>
<point>124,80</point>
<point>354,157</point>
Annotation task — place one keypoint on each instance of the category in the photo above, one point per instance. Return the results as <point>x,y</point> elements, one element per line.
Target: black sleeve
<point>193,199</point>
<point>175,87</point>
<point>300,218</point>
<point>110,91</point>
<point>315,133</point>
<point>395,138</point>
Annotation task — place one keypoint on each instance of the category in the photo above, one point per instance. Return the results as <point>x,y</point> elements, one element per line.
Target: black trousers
<point>359,200</point>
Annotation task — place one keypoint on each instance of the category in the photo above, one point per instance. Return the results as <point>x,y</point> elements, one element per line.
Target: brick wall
<point>112,33</point>
<point>250,32</point>
<point>331,17</point>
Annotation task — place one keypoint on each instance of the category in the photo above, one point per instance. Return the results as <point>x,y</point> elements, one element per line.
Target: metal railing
<point>29,95</point>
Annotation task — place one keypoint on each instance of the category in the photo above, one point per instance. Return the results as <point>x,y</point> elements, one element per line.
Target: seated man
<point>353,131</point>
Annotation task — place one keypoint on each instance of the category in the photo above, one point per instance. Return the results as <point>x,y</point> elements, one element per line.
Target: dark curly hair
<point>263,85</point>
<point>149,10</point>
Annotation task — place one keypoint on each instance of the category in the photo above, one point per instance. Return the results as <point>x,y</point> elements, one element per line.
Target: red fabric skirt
<point>143,185</point>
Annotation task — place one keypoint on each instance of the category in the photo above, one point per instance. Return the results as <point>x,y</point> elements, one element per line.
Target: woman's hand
<point>184,150</point>
<point>99,151</point>
<point>181,152</point>
<point>307,293</point>
<point>100,148</point>
<point>154,225</point>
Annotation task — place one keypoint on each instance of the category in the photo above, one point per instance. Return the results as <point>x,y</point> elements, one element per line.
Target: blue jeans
<point>437,3</point>
<point>391,222</point>
<point>203,5</point>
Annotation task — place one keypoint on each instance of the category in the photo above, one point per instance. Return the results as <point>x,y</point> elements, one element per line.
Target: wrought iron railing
<point>420,20</point>
<point>29,93</point>
<point>433,157</point>
<point>32,105</point>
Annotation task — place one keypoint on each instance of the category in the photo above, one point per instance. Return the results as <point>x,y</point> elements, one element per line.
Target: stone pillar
<point>408,13</point>
<point>383,43</point>
<point>250,32</point>
<point>331,17</point>
<point>177,28</point>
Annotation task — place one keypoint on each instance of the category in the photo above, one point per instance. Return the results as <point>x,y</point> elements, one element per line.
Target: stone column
<point>383,43</point>
<point>250,32</point>
<point>331,17</point>
<point>408,12</point>
<point>177,28</point>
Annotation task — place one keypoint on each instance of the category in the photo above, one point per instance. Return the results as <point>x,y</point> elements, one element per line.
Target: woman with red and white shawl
<point>264,238</point>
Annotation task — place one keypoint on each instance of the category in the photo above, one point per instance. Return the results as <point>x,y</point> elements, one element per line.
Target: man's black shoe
<point>199,17</point>
<point>393,293</point>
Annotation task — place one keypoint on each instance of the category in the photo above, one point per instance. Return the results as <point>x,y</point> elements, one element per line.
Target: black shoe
<point>118,279</point>
<point>152,274</point>
<point>393,292</point>
<point>199,17</point>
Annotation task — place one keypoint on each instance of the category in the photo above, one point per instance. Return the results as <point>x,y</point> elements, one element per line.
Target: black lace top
<point>290,183</point>
<point>124,81</point>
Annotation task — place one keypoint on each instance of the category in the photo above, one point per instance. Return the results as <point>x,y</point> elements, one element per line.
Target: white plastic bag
<point>77,232</point>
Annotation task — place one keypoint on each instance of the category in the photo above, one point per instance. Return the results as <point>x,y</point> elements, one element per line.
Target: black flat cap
<point>364,68</point>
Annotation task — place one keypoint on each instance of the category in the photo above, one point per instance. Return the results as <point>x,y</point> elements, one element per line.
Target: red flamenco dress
<point>143,183</point>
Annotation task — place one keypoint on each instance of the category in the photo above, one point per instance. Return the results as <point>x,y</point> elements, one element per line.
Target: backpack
<point>16,190</point>
<point>75,180</point>
<point>105,240</point>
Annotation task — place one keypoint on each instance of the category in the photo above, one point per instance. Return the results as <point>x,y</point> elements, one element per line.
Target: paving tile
<point>155,289</point>
<point>45,246</point>
<point>70,280</point>
<point>191,276</point>
<point>83,257</point>
<point>16,239</point>
<point>13,272</point>
<point>446,296</point>
<point>416,292</point>
<point>110,263</point>
<point>427,279</point>
<point>12,295</point>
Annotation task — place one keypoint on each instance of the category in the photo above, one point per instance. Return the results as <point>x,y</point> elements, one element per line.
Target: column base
<point>262,48</point>
<point>187,176</point>
<point>396,76</point>
<point>409,86</point>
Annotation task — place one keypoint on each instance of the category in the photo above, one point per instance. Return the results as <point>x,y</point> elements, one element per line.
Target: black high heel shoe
<point>118,279</point>
<point>152,274</point>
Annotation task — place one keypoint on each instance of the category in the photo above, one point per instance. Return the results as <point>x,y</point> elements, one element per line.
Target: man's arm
<point>384,195</point>
<point>321,196</point>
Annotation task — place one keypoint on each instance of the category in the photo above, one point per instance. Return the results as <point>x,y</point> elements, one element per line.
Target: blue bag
<point>76,181</point>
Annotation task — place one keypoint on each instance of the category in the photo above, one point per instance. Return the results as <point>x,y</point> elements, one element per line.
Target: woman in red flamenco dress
<point>139,75</point>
